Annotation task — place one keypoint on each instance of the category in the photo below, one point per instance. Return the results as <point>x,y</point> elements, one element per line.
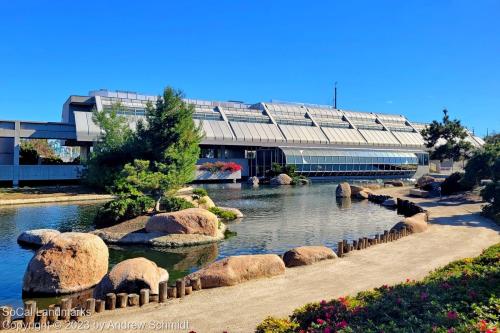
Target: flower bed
<point>460,297</point>
<point>220,166</point>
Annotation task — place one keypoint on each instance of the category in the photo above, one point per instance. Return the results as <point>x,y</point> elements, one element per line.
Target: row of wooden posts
<point>64,311</point>
<point>344,246</point>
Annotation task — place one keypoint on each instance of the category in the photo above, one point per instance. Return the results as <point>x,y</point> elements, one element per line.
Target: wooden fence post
<point>65,313</point>
<point>110,301</point>
<point>181,286</point>
<point>144,297</point>
<point>121,300</point>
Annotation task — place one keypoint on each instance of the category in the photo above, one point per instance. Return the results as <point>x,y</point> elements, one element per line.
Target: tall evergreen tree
<point>446,139</point>
<point>170,139</point>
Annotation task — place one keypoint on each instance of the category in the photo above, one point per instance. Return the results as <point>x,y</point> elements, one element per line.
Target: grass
<point>463,296</point>
<point>223,214</point>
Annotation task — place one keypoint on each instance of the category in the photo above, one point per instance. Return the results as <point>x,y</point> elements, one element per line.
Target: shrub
<point>28,155</point>
<point>460,297</point>
<point>220,166</point>
<point>123,208</point>
<point>199,192</point>
<point>174,204</point>
<point>452,184</point>
<point>276,325</point>
<point>222,213</point>
<point>52,160</point>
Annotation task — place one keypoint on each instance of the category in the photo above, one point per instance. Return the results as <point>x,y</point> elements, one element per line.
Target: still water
<point>276,219</point>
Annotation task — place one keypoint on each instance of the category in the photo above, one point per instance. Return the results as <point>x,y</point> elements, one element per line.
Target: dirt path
<point>457,232</point>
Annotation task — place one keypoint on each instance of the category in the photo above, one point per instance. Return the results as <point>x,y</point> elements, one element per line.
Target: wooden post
<point>133,299</point>
<point>346,246</point>
<point>100,305</point>
<point>355,244</point>
<point>121,300</point>
<point>90,306</point>
<point>29,313</point>
<point>144,297</point>
<point>360,244</point>
<point>181,286</point>
<point>386,236</point>
<point>42,318</point>
<point>172,292</point>
<point>5,317</point>
<point>65,313</point>
<point>365,242</point>
<point>196,283</point>
<point>53,313</point>
<point>110,301</point>
<point>77,313</point>
<point>340,249</point>
<point>405,232</point>
<point>188,290</point>
<point>162,290</point>
<point>154,298</point>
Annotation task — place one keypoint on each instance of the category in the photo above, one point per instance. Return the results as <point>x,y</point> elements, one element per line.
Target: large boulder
<point>68,263</point>
<point>237,269</point>
<point>356,189</point>
<point>425,180</point>
<point>188,221</point>
<point>397,183</point>
<point>343,190</point>
<point>416,223</point>
<point>307,255</point>
<point>37,237</point>
<point>281,179</point>
<point>363,195</point>
<point>132,275</point>
<point>254,181</point>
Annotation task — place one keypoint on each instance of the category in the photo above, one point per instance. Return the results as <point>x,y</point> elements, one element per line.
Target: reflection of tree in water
<point>179,262</point>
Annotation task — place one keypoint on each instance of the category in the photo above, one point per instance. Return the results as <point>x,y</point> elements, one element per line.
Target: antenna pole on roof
<point>335,96</point>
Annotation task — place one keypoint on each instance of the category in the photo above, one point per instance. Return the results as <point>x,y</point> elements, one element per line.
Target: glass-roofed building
<point>319,140</point>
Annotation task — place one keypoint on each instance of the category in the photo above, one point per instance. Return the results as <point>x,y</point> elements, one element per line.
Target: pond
<point>276,219</point>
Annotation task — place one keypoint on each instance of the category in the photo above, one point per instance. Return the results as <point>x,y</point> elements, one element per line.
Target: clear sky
<point>401,56</point>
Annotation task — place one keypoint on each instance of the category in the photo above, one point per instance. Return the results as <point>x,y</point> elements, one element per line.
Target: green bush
<point>174,204</point>
<point>223,214</point>
<point>452,184</point>
<point>276,325</point>
<point>463,296</point>
<point>28,155</point>
<point>199,192</point>
<point>123,208</point>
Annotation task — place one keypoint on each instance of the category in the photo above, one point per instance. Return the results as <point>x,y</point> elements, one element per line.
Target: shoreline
<point>456,231</point>
<point>55,199</point>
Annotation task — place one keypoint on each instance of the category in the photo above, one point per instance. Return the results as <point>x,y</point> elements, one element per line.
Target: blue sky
<point>403,57</point>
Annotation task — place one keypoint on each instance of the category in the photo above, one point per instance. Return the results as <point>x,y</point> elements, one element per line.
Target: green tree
<point>137,179</point>
<point>112,150</point>
<point>446,139</point>
<point>171,139</point>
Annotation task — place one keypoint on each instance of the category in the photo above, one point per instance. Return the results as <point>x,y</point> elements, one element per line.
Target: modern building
<point>319,140</point>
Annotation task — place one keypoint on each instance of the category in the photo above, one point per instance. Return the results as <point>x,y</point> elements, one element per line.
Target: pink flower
<point>327,330</point>
<point>320,321</point>
<point>342,324</point>
<point>452,315</point>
